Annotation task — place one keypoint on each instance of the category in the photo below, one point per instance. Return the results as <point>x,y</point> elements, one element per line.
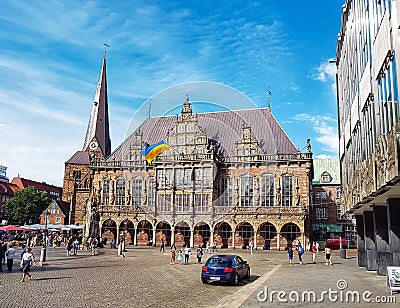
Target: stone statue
<point>94,229</point>
<point>308,145</point>
<point>112,197</point>
<point>128,197</point>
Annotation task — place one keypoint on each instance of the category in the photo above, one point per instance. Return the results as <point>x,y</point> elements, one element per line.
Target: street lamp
<point>43,250</point>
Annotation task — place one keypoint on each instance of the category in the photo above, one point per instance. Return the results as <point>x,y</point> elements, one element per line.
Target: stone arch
<point>127,231</point>
<point>109,230</point>
<point>144,232</point>
<point>202,233</point>
<point>289,233</point>
<point>223,234</point>
<point>182,233</point>
<point>267,235</point>
<point>243,234</point>
<point>163,233</point>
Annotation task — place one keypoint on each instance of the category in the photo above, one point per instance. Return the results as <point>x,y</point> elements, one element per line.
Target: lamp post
<point>43,250</point>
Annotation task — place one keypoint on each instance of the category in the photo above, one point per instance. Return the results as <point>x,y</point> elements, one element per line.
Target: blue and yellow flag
<point>150,152</point>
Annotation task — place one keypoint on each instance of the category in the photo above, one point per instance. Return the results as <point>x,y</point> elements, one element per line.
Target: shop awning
<point>327,228</point>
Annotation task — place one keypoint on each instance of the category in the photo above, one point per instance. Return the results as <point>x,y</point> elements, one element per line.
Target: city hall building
<point>228,177</point>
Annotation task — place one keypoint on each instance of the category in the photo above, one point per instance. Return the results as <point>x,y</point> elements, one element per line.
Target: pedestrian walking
<point>28,259</point>
<point>172,255</point>
<point>290,254</point>
<point>251,246</point>
<point>2,255</point>
<point>180,257</point>
<point>10,255</point>
<point>314,252</point>
<point>199,254</point>
<point>207,247</point>
<point>187,254</point>
<point>162,245</point>
<point>76,246</point>
<point>69,247</point>
<point>300,251</point>
<point>328,256</point>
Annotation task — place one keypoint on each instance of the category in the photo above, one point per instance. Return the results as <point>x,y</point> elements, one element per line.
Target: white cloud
<point>326,128</point>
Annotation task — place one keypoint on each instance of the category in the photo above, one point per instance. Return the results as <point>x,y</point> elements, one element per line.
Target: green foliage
<point>26,204</point>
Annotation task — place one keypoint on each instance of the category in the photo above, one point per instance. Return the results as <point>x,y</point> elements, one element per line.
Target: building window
<point>246,191</point>
<point>150,192</point>
<point>321,212</point>
<point>323,195</point>
<point>164,202</point>
<point>120,191</point>
<point>182,202</point>
<point>58,220</point>
<point>339,211</point>
<point>137,184</point>
<point>201,202</point>
<point>164,178</point>
<point>338,193</point>
<point>267,190</point>
<point>160,178</point>
<point>287,191</point>
<point>226,191</point>
<point>187,178</point>
<point>106,191</point>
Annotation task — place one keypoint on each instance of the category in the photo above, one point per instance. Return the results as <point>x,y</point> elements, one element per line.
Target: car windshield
<point>219,262</point>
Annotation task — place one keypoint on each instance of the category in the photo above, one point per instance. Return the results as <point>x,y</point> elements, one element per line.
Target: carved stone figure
<point>128,197</point>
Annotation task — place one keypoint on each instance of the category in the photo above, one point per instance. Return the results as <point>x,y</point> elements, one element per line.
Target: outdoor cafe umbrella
<point>12,228</point>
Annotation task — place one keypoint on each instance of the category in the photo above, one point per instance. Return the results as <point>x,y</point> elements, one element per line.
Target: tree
<point>26,204</point>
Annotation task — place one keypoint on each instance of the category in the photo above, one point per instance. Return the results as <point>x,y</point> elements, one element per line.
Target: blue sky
<point>51,53</point>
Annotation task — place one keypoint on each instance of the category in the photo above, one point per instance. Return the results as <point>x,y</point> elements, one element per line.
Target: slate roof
<point>224,127</point>
<point>79,158</point>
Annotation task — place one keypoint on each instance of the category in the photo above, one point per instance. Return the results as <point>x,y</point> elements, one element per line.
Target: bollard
<point>123,246</point>
<point>343,254</point>
<point>120,249</point>
<point>43,255</point>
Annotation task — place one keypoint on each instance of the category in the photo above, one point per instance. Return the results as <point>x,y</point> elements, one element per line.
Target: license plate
<point>215,278</point>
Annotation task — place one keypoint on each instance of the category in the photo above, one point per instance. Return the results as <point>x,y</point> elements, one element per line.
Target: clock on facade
<point>93,145</point>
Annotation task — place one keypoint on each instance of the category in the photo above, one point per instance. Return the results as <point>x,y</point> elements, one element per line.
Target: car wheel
<point>204,281</point>
<point>236,281</point>
<point>248,274</point>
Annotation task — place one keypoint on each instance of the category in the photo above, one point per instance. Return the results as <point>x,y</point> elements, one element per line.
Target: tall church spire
<point>98,131</point>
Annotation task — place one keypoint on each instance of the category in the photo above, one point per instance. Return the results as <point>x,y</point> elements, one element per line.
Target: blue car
<point>227,268</point>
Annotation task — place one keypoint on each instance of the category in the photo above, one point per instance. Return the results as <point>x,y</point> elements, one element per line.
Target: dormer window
<point>326,177</point>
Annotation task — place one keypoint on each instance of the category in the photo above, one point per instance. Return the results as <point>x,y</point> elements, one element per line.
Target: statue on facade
<point>308,145</point>
<point>128,197</point>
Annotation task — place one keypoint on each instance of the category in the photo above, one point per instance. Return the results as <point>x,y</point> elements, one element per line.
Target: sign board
<point>393,278</point>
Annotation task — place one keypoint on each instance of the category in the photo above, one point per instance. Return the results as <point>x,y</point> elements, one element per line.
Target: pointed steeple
<point>98,131</point>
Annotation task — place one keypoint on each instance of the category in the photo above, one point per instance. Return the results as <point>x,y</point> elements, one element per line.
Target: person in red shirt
<point>314,252</point>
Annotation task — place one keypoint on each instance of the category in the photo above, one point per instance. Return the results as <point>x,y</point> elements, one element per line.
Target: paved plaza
<point>144,278</point>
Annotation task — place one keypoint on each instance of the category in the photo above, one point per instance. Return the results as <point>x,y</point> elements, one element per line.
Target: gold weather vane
<point>269,98</point>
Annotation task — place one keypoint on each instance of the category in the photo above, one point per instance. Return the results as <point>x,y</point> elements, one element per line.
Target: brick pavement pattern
<point>144,278</point>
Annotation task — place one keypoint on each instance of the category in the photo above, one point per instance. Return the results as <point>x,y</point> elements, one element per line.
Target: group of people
<point>9,254</point>
<point>314,247</point>
<point>185,252</point>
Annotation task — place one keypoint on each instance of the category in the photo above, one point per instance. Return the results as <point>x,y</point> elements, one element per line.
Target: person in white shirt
<point>27,260</point>
<point>10,255</point>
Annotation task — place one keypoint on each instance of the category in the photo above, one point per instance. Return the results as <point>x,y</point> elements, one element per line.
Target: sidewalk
<point>342,284</point>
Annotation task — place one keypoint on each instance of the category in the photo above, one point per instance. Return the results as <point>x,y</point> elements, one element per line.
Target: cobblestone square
<point>144,278</point>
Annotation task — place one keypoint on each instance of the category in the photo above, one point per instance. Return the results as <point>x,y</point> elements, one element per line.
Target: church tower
<point>77,184</point>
